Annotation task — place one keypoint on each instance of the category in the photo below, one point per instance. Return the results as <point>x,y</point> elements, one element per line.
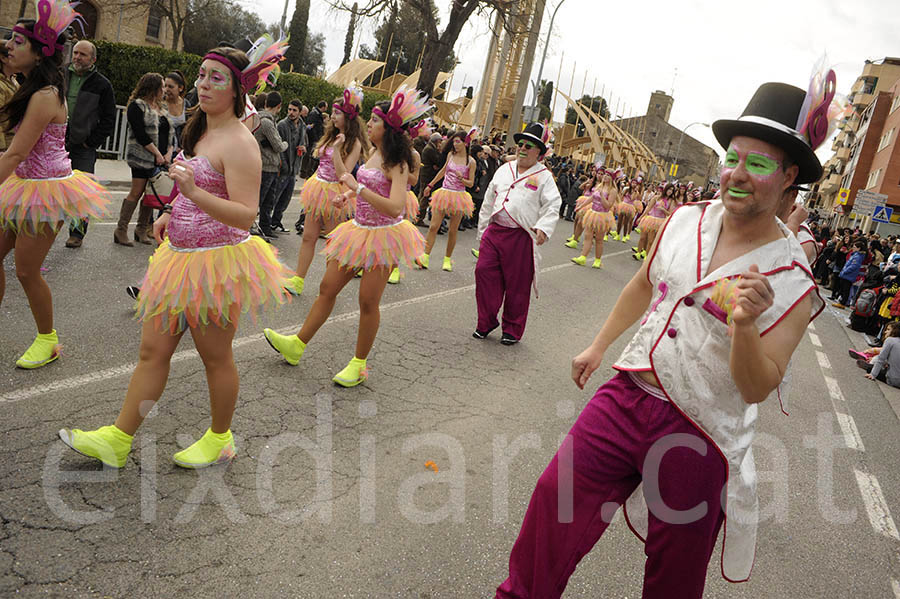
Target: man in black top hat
<point>723,300</point>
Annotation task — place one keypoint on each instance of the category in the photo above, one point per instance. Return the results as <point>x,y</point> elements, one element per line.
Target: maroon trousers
<point>503,276</point>
<point>623,437</point>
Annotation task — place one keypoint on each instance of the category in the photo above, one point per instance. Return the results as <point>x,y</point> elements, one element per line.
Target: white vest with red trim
<point>684,340</point>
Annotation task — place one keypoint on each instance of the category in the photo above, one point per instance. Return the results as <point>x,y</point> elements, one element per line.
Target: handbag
<point>162,191</point>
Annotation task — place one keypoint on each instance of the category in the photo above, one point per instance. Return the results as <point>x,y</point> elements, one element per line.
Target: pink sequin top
<point>454,175</point>
<point>48,158</point>
<point>661,203</point>
<point>366,214</point>
<point>192,228</point>
<point>597,198</point>
<point>326,172</point>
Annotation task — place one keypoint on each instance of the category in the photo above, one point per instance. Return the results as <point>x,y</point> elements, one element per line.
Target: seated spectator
<point>887,361</point>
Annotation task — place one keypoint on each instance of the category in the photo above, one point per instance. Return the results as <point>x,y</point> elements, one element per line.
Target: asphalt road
<point>330,495</point>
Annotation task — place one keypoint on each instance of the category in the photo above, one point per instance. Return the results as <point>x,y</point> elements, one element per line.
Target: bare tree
<point>438,44</point>
<point>176,12</point>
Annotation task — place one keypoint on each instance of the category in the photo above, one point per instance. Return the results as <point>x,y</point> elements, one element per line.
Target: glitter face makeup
<point>219,79</point>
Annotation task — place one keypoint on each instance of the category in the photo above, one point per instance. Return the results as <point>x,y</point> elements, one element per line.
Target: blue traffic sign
<point>882,214</point>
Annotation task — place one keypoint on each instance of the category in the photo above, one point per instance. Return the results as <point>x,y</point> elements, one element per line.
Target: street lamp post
<point>544,56</point>
<point>680,139</point>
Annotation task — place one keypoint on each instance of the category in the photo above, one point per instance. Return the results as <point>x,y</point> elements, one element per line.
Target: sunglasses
<point>527,145</point>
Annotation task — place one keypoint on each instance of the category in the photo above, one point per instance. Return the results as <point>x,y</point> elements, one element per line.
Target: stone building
<point>697,162</point>
<point>128,21</point>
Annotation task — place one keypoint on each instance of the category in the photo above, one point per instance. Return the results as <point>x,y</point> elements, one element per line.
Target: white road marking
<point>833,389</point>
<point>815,339</point>
<point>823,361</point>
<point>876,506</point>
<point>896,586</point>
<point>190,354</point>
<point>811,327</point>
<point>851,433</point>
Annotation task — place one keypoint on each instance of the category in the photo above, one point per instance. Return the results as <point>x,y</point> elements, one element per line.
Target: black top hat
<point>772,116</point>
<point>537,133</point>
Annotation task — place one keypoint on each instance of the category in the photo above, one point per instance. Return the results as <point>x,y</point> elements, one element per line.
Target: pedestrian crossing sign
<point>882,214</point>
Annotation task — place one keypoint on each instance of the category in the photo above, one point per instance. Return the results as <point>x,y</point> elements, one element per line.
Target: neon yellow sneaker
<point>616,236</point>
<point>353,374</point>
<point>635,249</point>
<point>644,255</point>
<point>475,252</point>
<point>290,347</point>
<point>626,239</point>
<point>579,260</point>
<point>571,242</point>
<point>598,263</point>
<point>294,285</point>
<point>43,350</point>
<point>395,276</point>
<point>358,274</point>
<point>636,230</point>
<point>107,444</point>
<point>448,264</point>
<point>606,237</point>
<point>211,449</point>
<point>423,261</point>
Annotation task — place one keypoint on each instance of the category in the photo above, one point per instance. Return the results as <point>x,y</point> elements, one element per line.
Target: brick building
<point>697,162</point>
<point>128,21</point>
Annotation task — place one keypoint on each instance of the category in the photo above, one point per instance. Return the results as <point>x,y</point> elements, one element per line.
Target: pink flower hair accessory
<point>352,101</point>
<point>407,106</point>
<point>473,132</point>
<point>421,129</point>
<point>53,17</point>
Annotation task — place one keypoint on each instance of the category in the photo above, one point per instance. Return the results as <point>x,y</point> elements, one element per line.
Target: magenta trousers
<point>503,276</point>
<point>623,437</point>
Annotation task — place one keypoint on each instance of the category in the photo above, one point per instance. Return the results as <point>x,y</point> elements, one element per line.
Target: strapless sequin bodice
<point>48,158</point>
<point>597,199</point>
<point>326,172</point>
<point>453,177</point>
<point>659,207</point>
<point>192,228</point>
<point>366,214</point>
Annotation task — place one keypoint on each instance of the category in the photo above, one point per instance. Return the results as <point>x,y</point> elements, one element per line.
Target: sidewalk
<point>116,175</point>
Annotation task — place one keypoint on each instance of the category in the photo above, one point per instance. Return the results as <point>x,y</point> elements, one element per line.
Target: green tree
<point>545,97</point>
<point>298,32</point>
<point>224,20</point>
<point>351,32</point>
<point>313,55</point>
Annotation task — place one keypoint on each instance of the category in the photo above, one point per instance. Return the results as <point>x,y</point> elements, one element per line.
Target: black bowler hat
<point>538,133</point>
<point>772,116</point>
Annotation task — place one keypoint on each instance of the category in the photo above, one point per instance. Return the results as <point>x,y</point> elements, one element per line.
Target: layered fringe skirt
<point>452,203</point>
<point>356,246</point>
<point>318,197</point>
<point>27,203</point>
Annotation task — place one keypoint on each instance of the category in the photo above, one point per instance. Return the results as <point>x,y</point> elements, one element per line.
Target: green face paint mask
<point>756,164</point>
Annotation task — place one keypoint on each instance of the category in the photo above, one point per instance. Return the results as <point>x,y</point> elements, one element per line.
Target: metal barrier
<point>114,146</point>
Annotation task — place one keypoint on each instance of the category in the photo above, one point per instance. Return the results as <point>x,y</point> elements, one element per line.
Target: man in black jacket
<point>92,117</point>
<point>315,127</point>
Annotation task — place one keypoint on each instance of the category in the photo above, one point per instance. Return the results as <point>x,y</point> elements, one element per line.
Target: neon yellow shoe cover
<point>572,243</point>
<point>423,260</point>
<point>579,260</point>
<point>211,449</point>
<point>294,285</point>
<point>475,252</point>
<point>448,264</point>
<point>626,239</point>
<point>353,374</point>
<point>107,444</point>
<point>616,236</point>
<point>597,263</point>
<point>43,350</point>
<point>395,276</point>
<point>290,347</point>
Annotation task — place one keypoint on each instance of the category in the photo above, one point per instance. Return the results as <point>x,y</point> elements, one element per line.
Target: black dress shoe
<point>507,339</point>
<point>480,334</point>
<point>133,291</point>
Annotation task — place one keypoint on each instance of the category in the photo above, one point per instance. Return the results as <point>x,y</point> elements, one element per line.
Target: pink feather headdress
<point>423,128</point>
<point>53,17</point>
<point>408,106</point>
<point>822,108</point>
<point>264,55</point>
<point>473,132</point>
<point>352,101</point>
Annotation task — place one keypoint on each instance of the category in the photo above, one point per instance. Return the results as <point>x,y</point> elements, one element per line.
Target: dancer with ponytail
<point>210,270</point>
<point>580,204</point>
<point>342,146</point>
<point>451,199</point>
<point>375,241</point>
<point>39,191</point>
<point>597,219</point>
<point>423,129</point>
<point>626,209</point>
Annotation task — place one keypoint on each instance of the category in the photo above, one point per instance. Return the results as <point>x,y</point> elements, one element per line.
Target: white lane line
<point>851,433</point>
<point>876,506</point>
<point>895,584</point>
<point>834,390</point>
<point>811,327</point>
<point>190,354</point>
<point>815,339</point>
<point>823,361</point>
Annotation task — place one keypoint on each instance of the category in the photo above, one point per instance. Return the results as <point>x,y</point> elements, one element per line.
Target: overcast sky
<point>721,51</point>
